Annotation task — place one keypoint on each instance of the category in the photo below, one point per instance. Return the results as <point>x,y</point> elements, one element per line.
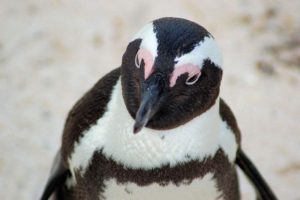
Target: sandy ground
<point>52,51</point>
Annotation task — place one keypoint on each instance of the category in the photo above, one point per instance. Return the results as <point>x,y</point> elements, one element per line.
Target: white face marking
<point>186,63</point>
<point>204,188</point>
<point>207,48</point>
<point>148,48</point>
<point>200,138</point>
<point>148,37</point>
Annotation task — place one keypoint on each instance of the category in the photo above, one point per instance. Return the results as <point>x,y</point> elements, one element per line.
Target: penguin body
<point>155,128</point>
<point>155,161</point>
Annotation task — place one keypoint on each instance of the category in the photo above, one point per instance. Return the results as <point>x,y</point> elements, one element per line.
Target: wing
<point>57,178</point>
<point>84,113</point>
<point>263,191</point>
<point>87,111</point>
<point>227,116</point>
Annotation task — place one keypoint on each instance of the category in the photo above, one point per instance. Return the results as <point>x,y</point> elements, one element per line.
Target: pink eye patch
<point>193,71</point>
<point>146,56</point>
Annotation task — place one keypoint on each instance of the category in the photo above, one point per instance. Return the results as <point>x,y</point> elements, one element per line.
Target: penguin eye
<point>144,58</point>
<point>193,72</point>
<point>136,61</point>
<point>192,79</point>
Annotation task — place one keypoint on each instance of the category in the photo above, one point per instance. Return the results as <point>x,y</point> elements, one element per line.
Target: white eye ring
<point>193,79</point>
<point>136,61</point>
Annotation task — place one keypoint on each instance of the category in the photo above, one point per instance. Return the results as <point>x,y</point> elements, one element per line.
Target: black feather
<point>57,178</point>
<point>263,191</point>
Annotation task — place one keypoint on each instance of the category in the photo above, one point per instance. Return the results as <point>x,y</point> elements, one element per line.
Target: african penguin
<point>155,128</point>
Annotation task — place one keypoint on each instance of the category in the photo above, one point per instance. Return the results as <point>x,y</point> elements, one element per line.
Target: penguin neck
<point>195,140</point>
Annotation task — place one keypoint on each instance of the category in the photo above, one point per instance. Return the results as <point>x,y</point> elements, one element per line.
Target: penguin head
<point>171,73</point>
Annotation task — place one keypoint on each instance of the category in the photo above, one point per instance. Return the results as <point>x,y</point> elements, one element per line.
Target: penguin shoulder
<point>228,117</point>
<point>87,111</point>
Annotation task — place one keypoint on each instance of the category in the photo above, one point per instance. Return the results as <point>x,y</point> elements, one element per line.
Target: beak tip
<point>136,129</point>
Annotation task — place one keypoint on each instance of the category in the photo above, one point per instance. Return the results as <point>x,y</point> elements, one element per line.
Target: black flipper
<point>263,191</point>
<point>58,176</point>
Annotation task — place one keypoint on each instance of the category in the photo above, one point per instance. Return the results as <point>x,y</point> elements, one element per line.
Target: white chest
<point>199,189</point>
<point>113,133</point>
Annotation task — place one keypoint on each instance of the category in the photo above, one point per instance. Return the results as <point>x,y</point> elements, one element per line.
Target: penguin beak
<point>152,90</point>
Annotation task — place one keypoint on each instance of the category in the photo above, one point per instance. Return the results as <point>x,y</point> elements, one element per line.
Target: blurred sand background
<point>52,51</point>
